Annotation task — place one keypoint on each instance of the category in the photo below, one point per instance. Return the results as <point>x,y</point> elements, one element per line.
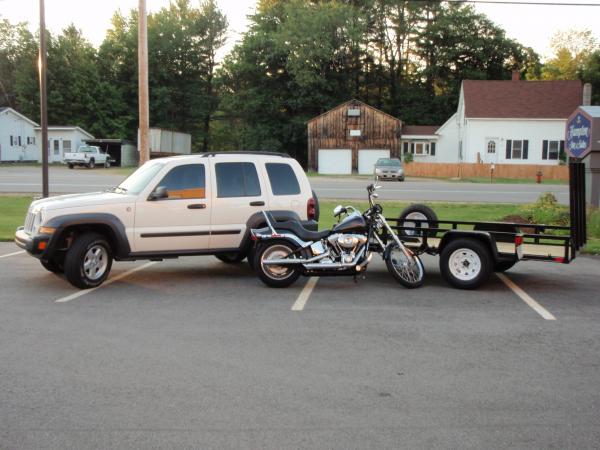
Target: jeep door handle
<point>259,203</point>
<point>197,206</point>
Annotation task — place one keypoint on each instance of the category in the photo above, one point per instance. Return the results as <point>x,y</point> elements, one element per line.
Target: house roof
<point>517,99</point>
<point>419,130</point>
<point>67,128</point>
<point>354,101</point>
<point>18,114</point>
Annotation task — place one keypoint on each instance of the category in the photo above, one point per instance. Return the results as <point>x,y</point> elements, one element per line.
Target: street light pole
<point>43,100</point>
<point>144,113</point>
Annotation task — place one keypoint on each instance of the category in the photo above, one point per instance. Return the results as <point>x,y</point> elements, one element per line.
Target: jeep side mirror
<point>159,193</point>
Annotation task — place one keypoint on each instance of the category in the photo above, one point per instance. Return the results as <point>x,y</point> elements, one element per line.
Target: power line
<point>522,2</point>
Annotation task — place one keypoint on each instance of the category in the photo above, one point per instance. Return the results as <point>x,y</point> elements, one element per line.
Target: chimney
<point>587,94</point>
<point>516,75</point>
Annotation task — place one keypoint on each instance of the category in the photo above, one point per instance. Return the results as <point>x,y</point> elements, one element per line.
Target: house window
<point>11,141</point>
<point>517,149</point>
<point>355,133</point>
<point>19,140</point>
<point>56,147</point>
<point>552,150</point>
<point>491,147</point>
<point>66,146</point>
<point>419,148</point>
<point>353,112</point>
<point>30,141</point>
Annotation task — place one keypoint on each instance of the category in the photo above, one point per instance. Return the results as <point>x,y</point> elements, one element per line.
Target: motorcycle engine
<point>345,245</point>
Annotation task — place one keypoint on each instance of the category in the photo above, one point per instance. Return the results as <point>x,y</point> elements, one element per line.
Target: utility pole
<point>144,107</point>
<point>43,101</point>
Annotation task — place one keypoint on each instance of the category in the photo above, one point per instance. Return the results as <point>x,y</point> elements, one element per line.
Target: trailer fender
<point>482,236</point>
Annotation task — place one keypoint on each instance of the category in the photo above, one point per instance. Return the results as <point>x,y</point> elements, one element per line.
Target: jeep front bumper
<point>34,245</point>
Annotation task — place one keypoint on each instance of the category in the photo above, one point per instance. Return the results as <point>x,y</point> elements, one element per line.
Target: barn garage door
<point>368,158</point>
<point>335,162</point>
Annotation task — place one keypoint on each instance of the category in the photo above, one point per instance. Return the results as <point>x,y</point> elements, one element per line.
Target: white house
<point>509,122</point>
<point>63,139</point>
<point>18,140</point>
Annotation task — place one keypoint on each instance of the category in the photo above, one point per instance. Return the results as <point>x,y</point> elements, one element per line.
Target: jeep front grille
<point>29,222</point>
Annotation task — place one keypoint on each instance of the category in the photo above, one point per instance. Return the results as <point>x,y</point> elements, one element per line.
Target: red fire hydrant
<point>538,177</point>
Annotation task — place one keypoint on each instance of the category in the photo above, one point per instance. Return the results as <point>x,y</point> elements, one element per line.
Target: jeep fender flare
<point>107,224</point>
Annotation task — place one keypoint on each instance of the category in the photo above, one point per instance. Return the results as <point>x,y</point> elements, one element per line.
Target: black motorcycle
<point>286,250</point>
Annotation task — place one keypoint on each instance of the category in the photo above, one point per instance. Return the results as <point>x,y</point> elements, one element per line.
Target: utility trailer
<point>470,251</point>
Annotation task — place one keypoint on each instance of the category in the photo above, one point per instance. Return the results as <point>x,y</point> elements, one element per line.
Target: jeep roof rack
<point>283,155</point>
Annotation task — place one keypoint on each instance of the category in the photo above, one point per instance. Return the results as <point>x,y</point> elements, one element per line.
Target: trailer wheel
<point>503,266</point>
<point>466,263</point>
<point>417,212</point>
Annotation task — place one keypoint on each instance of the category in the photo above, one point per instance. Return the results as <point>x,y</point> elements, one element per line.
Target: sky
<point>532,25</point>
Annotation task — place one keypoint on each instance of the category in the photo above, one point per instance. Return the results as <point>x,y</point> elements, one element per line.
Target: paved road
<point>62,180</point>
<point>193,353</point>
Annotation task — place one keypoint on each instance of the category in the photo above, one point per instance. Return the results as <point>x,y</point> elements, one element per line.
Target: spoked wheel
<point>274,275</point>
<point>408,271</point>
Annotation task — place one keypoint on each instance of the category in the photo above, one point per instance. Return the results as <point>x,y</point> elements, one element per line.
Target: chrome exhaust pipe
<point>287,262</point>
<point>336,265</point>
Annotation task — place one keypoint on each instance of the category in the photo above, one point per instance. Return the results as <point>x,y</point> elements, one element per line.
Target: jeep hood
<point>82,200</point>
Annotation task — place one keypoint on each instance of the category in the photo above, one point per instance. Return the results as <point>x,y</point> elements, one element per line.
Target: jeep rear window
<point>283,179</point>
<point>237,180</point>
<point>138,180</point>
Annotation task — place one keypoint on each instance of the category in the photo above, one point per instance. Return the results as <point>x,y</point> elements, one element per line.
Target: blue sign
<point>579,136</point>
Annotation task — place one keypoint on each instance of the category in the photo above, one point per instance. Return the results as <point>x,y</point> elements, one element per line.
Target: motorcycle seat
<point>297,229</point>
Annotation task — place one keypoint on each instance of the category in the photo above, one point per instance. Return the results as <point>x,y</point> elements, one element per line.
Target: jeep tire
<point>88,261</point>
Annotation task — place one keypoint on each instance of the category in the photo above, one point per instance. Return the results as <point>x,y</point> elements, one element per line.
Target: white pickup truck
<point>88,156</point>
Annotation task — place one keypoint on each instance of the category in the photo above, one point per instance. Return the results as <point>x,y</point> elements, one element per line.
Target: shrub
<point>546,210</point>
<point>408,158</point>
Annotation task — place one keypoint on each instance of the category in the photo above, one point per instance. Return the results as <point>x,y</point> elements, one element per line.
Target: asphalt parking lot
<point>193,353</point>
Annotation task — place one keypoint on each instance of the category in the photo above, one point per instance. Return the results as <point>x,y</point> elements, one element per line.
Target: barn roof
<point>517,99</point>
<point>354,101</point>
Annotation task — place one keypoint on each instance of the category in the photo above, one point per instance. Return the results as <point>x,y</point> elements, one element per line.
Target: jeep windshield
<point>138,180</point>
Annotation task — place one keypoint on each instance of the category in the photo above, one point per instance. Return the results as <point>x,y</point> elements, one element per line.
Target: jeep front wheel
<point>88,261</point>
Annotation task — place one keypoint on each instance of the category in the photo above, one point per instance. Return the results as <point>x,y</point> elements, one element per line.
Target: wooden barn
<point>351,138</point>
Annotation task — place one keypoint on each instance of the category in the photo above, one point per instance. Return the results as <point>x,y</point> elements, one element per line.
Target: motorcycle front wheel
<point>408,271</point>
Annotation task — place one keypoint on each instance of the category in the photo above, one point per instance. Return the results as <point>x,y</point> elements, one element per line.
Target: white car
<point>202,204</point>
<point>88,156</point>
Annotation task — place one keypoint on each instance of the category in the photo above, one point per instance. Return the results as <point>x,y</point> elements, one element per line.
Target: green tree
<point>18,68</point>
<point>572,50</point>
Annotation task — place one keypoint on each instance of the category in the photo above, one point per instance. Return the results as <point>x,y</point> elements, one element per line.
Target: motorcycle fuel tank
<point>354,223</point>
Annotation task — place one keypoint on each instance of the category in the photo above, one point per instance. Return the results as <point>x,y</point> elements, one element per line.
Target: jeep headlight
<point>38,219</point>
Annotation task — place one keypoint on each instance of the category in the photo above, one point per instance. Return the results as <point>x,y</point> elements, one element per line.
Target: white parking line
<point>300,302</point>
<point>78,294</point>
<point>526,298</point>
<point>12,254</point>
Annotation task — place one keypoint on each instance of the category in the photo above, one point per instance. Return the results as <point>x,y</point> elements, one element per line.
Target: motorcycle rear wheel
<point>275,276</point>
<point>410,273</point>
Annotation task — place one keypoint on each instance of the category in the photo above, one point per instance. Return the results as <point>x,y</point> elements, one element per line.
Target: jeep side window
<point>237,180</point>
<point>187,181</point>
<point>283,179</point>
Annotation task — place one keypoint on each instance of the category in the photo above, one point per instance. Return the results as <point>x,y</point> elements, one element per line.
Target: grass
<point>12,214</point>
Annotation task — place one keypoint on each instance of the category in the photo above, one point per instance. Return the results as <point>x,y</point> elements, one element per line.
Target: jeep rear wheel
<point>88,261</point>
<point>231,258</point>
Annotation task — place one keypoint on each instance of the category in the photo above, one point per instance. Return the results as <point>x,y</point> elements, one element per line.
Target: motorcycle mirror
<point>375,195</point>
<point>337,210</point>
<point>376,187</point>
